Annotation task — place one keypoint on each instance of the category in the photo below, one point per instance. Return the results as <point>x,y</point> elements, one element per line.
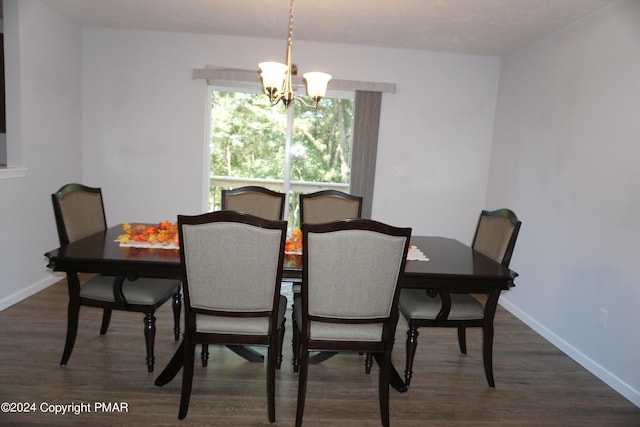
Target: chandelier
<point>276,78</point>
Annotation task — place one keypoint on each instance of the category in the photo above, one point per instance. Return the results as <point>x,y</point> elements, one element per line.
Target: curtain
<point>365,147</point>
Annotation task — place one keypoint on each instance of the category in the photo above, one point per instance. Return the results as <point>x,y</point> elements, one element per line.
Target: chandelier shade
<point>317,83</point>
<point>277,78</point>
<point>273,75</point>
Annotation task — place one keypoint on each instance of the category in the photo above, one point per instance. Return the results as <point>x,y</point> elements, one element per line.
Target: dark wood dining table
<point>452,266</point>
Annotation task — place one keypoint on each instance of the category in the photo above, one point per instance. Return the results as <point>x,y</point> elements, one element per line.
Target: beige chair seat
<point>142,291</point>
<point>346,332</point>
<point>239,325</point>
<point>416,304</point>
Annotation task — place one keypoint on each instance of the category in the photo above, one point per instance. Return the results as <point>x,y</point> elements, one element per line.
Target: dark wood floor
<point>536,384</point>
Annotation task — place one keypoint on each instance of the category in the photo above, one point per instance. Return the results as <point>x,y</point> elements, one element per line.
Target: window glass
<point>248,146</point>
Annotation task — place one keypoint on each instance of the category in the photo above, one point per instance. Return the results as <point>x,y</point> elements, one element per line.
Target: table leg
<point>321,357</point>
<point>173,367</point>
<point>395,380</point>
<point>177,362</point>
<point>73,312</point>
<point>247,353</point>
<point>487,336</point>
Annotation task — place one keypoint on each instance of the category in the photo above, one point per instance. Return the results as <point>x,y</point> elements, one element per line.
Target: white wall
<point>43,75</point>
<point>565,157</point>
<point>144,120</point>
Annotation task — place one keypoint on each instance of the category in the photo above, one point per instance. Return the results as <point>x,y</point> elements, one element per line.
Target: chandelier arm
<point>276,98</point>
<point>314,104</point>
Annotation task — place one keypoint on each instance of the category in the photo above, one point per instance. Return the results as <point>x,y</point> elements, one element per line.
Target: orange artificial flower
<point>164,232</point>
<point>294,242</point>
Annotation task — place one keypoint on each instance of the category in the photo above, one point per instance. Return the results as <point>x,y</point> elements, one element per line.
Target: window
<point>295,150</point>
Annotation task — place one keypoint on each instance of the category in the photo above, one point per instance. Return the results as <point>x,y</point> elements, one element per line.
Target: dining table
<point>446,265</point>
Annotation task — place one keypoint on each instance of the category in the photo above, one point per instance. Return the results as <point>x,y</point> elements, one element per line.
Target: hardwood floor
<point>536,384</point>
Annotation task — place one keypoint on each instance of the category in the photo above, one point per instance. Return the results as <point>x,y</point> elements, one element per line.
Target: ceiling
<point>484,27</point>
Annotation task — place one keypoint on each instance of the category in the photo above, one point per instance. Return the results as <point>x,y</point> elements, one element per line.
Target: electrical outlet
<point>604,317</point>
<point>400,170</point>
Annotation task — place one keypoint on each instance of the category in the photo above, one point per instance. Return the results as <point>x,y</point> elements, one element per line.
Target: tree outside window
<point>248,146</point>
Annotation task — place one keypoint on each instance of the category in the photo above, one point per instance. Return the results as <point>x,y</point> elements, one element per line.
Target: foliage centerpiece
<point>165,233</point>
<point>293,245</point>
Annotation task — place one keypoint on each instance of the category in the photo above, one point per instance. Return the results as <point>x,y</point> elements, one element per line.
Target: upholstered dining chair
<point>329,205</point>
<point>232,271</point>
<point>254,200</point>
<point>495,237</point>
<point>79,212</point>
<point>350,288</point>
<point>321,207</point>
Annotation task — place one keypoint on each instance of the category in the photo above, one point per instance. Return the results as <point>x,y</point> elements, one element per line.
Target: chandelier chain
<point>291,24</point>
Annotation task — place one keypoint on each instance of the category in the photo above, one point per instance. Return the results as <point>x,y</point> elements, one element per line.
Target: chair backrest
<point>328,206</point>
<point>232,267</point>
<point>351,271</point>
<point>496,234</point>
<point>254,200</point>
<point>79,212</point>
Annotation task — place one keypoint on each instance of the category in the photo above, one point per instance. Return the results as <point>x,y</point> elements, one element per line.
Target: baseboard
<point>610,379</point>
<point>27,292</point>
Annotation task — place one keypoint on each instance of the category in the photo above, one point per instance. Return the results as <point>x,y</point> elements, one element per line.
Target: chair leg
<point>106,319</point>
<point>368,361</point>
<point>177,308</point>
<point>149,338</point>
<point>187,378</point>
<point>462,340</point>
<point>272,362</point>
<point>204,355</point>
<point>412,344</point>
<point>296,348</point>
<point>294,339</point>
<point>302,384</point>
<point>280,344</point>
<point>383,387</point>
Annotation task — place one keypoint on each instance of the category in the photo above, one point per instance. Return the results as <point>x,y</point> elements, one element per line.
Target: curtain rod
<point>215,75</point>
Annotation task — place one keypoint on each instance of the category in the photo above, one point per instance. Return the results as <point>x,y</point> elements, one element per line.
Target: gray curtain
<point>365,147</point>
